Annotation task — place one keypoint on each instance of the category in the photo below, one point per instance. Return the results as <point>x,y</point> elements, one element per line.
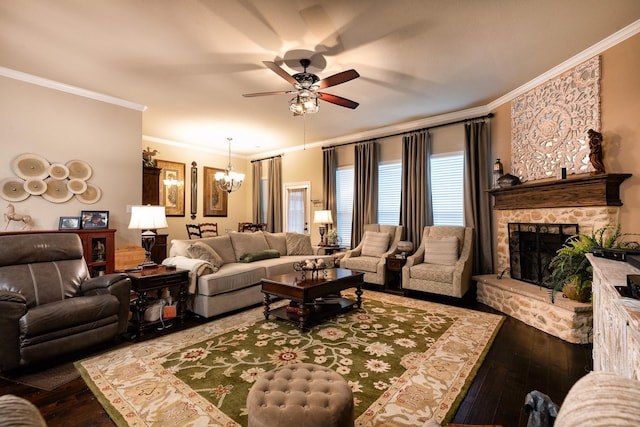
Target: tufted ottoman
<point>301,395</point>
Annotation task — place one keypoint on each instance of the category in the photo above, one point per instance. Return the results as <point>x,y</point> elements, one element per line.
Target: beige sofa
<point>222,282</point>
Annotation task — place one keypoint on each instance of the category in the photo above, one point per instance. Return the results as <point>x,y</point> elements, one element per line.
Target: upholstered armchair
<point>49,306</point>
<point>443,262</point>
<point>370,256</point>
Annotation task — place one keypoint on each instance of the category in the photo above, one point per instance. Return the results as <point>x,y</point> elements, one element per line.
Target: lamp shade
<point>322,217</point>
<point>148,217</point>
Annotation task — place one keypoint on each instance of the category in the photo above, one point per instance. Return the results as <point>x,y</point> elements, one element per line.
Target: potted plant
<point>332,237</point>
<point>571,272</point>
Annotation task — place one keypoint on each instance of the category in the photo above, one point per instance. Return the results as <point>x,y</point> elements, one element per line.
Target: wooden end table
<point>156,279</point>
<point>306,294</point>
<point>394,274</point>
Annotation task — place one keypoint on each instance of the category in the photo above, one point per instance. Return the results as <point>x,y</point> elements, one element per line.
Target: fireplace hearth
<point>531,248</point>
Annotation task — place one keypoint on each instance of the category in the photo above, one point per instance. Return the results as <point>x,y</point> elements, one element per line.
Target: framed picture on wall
<point>214,199</point>
<point>171,187</point>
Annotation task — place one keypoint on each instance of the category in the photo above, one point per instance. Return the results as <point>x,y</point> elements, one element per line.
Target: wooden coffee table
<point>304,294</point>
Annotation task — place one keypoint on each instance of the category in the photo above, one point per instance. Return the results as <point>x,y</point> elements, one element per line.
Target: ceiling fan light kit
<point>307,86</point>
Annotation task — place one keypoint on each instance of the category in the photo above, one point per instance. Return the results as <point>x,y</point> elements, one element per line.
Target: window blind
<point>447,188</point>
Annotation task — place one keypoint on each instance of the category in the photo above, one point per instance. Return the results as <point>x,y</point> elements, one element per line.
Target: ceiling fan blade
<point>339,78</point>
<point>338,100</point>
<point>279,71</point>
<point>279,92</point>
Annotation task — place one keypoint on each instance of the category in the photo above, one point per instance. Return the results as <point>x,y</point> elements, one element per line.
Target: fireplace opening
<point>532,246</point>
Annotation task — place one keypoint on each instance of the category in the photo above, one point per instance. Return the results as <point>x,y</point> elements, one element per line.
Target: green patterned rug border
<point>127,381</point>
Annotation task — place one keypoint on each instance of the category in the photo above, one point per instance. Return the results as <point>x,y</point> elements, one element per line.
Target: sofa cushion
<point>244,243</point>
<point>299,244</point>
<point>199,250</point>
<point>220,244</point>
<point>361,263</point>
<point>232,277</point>
<point>260,255</point>
<point>433,272</point>
<point>277,241</point>
<point>68,316</point>
<point>374,244</point>
<point>441,250</point>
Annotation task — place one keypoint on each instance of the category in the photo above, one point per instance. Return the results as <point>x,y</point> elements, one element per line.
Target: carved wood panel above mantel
<point>575,191</point>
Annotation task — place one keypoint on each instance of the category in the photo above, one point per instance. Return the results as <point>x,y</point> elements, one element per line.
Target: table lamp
<point>324,218</point>
<point>404,247</point>
<point>148,218</point>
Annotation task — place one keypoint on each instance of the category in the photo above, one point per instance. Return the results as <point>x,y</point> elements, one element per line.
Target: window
<point>389,183</point>
<point>447,188</point>
<point>297,203</point>
<point>344,204</point>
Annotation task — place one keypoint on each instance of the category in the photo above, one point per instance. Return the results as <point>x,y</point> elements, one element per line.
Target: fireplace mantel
<point>575,191</point>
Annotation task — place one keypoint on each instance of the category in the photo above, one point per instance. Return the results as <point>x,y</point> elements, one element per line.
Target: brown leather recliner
<point>49,306</point>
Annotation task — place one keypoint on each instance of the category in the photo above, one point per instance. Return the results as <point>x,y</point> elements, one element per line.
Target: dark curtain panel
<point>477,203</point>
<point>274,207</point>
<point>257,196</point>
<point>329,166</point>
<point>365,189</point>
<point>416,208</point>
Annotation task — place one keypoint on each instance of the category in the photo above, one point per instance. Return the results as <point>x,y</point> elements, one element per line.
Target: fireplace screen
<point>531,248</point>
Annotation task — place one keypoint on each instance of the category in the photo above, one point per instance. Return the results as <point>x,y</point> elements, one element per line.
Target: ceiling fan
<point>307,88</point>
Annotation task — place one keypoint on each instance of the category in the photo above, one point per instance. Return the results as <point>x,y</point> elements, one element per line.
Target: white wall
<point>61,127</point>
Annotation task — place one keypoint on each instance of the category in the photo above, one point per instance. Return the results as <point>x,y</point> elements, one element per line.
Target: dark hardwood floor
<point>520,360</point>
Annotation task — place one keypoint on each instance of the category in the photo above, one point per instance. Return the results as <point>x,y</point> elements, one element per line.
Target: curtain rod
<point>472,119</point>
<point>267,158</point>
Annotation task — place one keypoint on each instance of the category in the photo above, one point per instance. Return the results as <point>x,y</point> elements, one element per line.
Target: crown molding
<point>617,37</point>
<point>62,87</point>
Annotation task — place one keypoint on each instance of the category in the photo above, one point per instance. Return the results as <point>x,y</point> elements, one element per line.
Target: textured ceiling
<point>189,61</point>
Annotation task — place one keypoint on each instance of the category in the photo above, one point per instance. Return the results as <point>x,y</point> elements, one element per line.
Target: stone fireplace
<point>590,202</point>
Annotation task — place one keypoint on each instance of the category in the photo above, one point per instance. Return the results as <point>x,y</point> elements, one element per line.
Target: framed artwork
<point>214,199</point>
<point>95,219</point>
<point>171,187</point>
<point>194,189</point>
<point>69,223</point>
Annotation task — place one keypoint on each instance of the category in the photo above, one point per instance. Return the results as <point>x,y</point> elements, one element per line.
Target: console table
<point>616,324</point>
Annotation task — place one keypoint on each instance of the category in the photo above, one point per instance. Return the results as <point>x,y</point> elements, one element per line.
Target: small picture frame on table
<point>95,219</point>
<point>69,223</point>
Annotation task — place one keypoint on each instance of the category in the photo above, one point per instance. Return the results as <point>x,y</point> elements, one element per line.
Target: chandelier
<point>305,102</point>
<point>229,180</point>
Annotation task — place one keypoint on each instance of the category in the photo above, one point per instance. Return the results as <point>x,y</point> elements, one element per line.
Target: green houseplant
<point>571,272</point>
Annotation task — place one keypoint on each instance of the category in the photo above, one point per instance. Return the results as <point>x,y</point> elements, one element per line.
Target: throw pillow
<point>441,250</point>
<point>257,256</point>
<point>199,250</point>
<point>374,244</point>
<point>248,242</point>
<point>277,241</point>
<point>299,244</point>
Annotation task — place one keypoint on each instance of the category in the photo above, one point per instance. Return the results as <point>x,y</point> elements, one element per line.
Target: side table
<point>329,249</point>
<point>153,281</point>
<point>394,274</point>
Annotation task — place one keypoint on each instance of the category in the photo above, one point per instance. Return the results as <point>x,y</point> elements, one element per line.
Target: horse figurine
<point>11,215</point>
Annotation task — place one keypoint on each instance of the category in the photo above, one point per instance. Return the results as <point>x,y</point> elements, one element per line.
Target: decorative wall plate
<point>58,171</point>
<point>35,187</point>
<point>30,166</point>
<point>79,169</point>
<point>91,195</point>
<point>77,186</point>
<point>12,189</point>
<point>57,191</point>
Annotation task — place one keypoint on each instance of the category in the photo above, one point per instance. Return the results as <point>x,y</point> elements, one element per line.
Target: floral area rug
<point>407,361</point>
